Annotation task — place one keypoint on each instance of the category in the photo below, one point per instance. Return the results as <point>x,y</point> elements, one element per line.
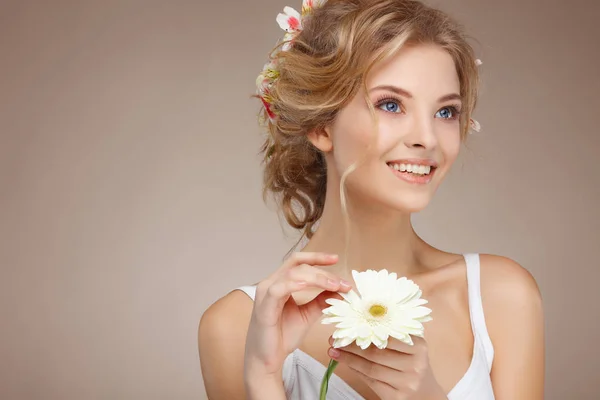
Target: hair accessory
<point>291,22</point>
<point>474,124</point>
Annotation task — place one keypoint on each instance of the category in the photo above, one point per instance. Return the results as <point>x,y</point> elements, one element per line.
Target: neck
<point>379,237</point>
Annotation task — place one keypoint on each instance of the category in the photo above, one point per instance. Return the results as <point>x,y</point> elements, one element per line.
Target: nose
<point>421,134</point>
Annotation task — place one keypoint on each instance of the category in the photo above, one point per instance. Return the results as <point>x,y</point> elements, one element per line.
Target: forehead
<point>423,70</point>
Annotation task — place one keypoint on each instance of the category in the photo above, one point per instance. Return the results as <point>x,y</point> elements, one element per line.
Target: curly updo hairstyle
<point>324,69</point>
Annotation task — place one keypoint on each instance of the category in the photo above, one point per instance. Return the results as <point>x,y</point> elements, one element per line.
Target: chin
<point>409,203</point>
<point>398,197</point>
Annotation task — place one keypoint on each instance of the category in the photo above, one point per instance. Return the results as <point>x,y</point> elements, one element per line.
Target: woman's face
<point>416,97</point>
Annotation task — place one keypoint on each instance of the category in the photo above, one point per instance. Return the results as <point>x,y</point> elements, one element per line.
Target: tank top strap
<point>249,290</point>
<point>478,325</point>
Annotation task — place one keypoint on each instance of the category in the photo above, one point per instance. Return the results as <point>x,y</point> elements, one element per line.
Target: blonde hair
<point>324,69</point>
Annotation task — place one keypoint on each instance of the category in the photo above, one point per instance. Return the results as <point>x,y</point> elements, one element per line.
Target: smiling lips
<point>413,171</point>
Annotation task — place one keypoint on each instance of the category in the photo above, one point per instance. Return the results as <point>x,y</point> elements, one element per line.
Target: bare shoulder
<point>221,342</point>
<point>505,281</point>
<point>515,320</point>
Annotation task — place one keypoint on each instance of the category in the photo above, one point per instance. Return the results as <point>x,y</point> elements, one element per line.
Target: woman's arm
<point>221,342</point>
<point>243,346</point>
<point>515,320</point>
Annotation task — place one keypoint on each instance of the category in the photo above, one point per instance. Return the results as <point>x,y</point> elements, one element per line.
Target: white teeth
<point>413,168</point>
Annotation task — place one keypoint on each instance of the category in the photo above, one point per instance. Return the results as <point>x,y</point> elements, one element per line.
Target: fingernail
<point>345,283</point>
<point>330,340</point>
<point>334,353</point>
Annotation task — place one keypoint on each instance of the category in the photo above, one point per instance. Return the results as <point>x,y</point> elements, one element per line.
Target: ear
<point>321,139</point>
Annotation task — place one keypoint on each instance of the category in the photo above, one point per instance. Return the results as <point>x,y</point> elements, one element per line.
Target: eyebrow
<point>406,93</point>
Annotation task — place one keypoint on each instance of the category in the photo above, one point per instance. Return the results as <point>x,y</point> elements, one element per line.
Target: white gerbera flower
<point>387,306</point>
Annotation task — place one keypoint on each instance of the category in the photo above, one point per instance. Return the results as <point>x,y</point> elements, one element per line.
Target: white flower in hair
<point>269,74</point>
<point>291,20</point>
<point>475,125</point>
<point>309,5</point>
<point>387,307</point>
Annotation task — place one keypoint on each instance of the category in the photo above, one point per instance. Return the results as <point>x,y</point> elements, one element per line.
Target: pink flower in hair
<point>267,106</point>
<point>291,22</point>
<point>309,5</point>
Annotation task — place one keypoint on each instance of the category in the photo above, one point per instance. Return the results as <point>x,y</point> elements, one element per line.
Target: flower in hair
<point>475,125</point>
<point>291,22</point>
<point>309,5</point>
<point>264,81</point>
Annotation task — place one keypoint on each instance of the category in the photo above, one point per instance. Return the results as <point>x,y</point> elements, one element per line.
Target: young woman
<point>367,103</point>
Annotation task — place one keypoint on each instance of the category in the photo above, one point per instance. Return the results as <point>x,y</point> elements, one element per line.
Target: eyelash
<point>454,108</point>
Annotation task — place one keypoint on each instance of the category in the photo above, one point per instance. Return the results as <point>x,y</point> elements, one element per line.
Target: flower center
<point>377,310</point>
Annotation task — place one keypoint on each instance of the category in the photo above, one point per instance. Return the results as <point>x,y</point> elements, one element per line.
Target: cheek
<point>450,147</point>
<point>351,139</point>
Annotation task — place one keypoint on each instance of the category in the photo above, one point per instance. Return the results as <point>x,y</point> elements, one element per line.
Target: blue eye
<point>389,106</point>
<point>450,112</point>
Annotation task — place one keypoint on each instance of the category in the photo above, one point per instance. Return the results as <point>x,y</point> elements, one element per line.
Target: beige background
<point>130,186</point>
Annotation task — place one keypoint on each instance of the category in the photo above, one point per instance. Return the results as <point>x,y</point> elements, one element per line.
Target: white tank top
<point>302,374</point>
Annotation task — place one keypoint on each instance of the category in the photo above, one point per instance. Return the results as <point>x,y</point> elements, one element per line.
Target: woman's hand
<point>398,372</point>
<point>278,325</point>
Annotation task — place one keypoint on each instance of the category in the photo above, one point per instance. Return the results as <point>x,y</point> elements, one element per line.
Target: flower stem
<point>325,382</point>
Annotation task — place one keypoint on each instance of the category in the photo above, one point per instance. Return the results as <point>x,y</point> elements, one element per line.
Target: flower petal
<point>351,297</point>
<point>332,320</point>
<point>401,336</point>
<point>290,20</point>
<point>342,342</point>
<point>363,343</point>
<point>415,303</point>
<point>418,312</point>
<point>381,344</point>
<point>381,332</point>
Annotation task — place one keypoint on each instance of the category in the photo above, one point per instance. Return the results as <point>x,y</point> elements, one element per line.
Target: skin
<point>243,344</point>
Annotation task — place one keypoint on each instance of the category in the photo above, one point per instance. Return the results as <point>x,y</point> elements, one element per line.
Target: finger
<point>367,367</point>
<point>270,300</point>
<point>311,258</point>
<point>313,310</point>
<point>316,277</point>
<point>273,293</point>
<point>418,345</point>
<point>293,280</point>
<point>381,389</point>
<point>395,360</point>
<point>383,380</point>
